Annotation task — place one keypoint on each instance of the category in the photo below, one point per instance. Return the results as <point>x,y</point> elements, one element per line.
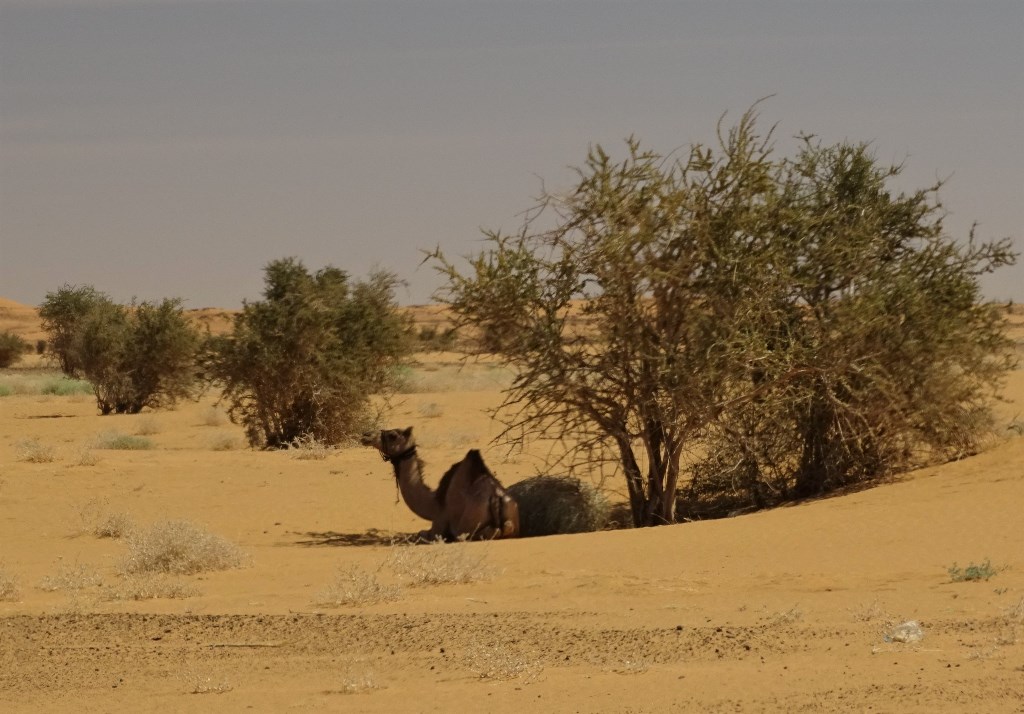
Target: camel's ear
<point>407,432</point>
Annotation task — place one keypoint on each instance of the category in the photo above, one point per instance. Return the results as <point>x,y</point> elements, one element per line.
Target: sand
<point>785,610</point>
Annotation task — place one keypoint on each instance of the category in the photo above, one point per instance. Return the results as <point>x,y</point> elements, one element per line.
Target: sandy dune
<point>785,610</point>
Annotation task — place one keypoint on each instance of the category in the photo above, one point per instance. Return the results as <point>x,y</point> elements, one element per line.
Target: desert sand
<point>786,610</point>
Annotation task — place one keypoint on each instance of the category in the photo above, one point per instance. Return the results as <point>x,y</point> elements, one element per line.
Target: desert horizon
<point>907,596</point>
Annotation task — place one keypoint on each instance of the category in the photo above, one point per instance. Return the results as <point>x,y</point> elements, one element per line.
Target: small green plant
<point>32,382</point>
<point>65,387</point>
<point>122,442</point>
<point>180,548</point>
<point>972,572</point>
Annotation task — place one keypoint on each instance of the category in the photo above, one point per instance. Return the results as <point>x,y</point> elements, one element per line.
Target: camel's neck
<point>416,494</point>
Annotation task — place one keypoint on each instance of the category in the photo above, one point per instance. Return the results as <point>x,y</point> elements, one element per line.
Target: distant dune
<point>23,320</point>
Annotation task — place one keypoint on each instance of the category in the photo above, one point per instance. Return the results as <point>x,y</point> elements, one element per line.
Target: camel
<point>469,501</point>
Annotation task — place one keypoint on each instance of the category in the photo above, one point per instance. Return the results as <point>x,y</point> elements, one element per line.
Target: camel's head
<point>391,443</point>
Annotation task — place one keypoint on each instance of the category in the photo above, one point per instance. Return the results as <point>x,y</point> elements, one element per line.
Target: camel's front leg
<point>438,529</point>
<point>426,536</point>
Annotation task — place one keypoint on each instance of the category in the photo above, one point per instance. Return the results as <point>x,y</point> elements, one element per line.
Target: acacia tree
<point>620,317</point>
<point>62,313</point>
<point>660,303</point>
<point>305,360</point>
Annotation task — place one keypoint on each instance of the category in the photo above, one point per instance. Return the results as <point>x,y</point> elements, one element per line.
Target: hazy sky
<point>158,148</point>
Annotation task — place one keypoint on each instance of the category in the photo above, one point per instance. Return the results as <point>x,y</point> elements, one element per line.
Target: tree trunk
<point>634,482</point>
<point>812,473</point>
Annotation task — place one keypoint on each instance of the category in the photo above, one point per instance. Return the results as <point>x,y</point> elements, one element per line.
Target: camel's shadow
<point>312,539</point>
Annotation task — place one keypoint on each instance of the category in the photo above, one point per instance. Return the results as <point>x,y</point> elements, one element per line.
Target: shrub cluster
<point>431,339</point>
<point>135,356</point>
<point>12,348</point>
<point>303,362</point>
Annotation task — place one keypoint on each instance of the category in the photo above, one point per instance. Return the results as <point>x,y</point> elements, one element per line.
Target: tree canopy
<point>135,356</point>
<point>304,361</point>
<point>746,327</point>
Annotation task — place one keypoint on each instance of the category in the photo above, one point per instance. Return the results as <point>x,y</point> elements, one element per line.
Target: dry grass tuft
<point>460,437</point>
<point>870,612</point>
<point>309,448</point>
<point>430,410</point>
<point>122,442</point>
<point>214,417</point>
<point>353,587</point>
<point>113,525</point>
<point>10,588</point>
<point>147,426</point>
<point>1015,613</point>
<point>357,678</point>
<point>785,617</point>
<point>197,683</point>
<point>227,442</point>
<point>457,378</point>
<point>149,586</point>
<point>1010,624</point>
<point>95,519</point>
<point>180,548</point>
<point>78,576</point>
<point>76,604</point>
<point>35,452</point>
<point>634,665</point>
<point>85,457</point>
<point>438,563</point>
